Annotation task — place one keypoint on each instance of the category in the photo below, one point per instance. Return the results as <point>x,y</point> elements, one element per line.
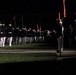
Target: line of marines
<point>21,35</point>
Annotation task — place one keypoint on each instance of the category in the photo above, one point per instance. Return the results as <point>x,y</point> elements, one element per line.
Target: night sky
<point>36,11</point>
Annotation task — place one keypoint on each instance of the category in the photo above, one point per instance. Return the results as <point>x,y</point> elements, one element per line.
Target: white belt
<point>1,32</point>
<point>10,32</point>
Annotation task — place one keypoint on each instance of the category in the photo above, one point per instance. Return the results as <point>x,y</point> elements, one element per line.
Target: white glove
<point>75,37</point>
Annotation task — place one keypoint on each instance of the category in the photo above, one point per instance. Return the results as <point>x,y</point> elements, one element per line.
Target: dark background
<point>36,11</point>
<point>44,12</point>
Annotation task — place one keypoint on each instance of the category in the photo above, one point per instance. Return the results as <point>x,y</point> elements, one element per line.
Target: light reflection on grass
<point>21,57</point>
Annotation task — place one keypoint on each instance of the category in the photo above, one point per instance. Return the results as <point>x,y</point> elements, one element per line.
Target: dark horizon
<point>44,12</point>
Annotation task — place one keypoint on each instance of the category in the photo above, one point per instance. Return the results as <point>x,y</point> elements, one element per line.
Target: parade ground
<point>15,49</point>
<point>34,64</point>
<point>27,51</point>
<point>67,53</point>
<point>27,60</point>
<point>33,56</point>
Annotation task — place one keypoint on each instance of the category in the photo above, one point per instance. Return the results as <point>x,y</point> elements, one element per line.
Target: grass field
<point>26,57</point>
<point>21,57</point>
<point>29,46</point>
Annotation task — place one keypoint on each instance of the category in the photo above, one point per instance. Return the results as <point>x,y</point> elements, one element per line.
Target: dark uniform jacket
<point>59,31</point>
<point>9,31</point>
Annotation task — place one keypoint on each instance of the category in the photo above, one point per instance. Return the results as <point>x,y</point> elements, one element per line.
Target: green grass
<point>28,46</point>
<point>22,57</point>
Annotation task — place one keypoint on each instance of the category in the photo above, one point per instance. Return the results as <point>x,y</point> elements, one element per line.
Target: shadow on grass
<point>31,46</point>
<point>67,65</point>
<point>29,65</point>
